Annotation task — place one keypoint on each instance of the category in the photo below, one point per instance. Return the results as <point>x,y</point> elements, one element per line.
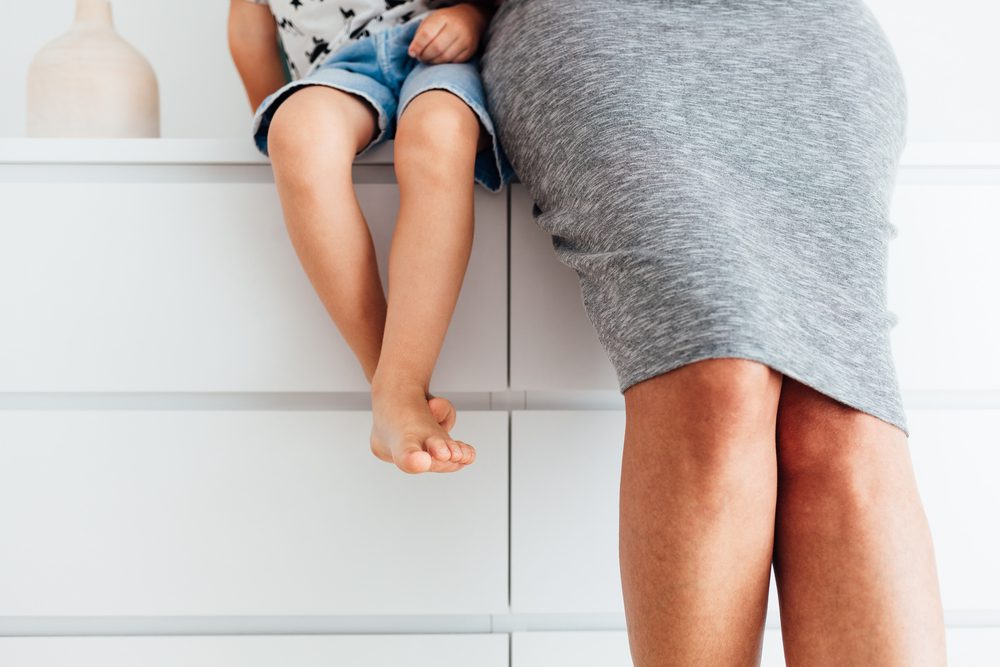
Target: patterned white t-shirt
<point>311,30</point>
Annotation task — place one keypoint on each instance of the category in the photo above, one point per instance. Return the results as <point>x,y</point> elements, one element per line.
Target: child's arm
<point>253,43</point>
<point>452,34</point>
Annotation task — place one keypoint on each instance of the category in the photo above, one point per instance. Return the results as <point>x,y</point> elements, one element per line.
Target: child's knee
<point>438,113</point>
<point>301,124</point>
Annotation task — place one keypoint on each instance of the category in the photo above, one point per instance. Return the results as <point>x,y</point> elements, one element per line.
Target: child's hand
<point>449,34</point>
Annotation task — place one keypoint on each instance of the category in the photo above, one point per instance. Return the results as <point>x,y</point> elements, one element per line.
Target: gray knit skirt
<point>719,175</point>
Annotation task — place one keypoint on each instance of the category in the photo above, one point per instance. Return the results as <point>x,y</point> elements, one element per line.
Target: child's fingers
<point>428,30</point>
<point>454,53</point>
<point>433,51</point>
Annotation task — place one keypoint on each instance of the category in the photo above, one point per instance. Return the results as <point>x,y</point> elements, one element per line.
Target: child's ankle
<point>381,387</point>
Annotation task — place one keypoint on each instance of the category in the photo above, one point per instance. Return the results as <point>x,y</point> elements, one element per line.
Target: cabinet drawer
<point>943,283</point>
<point>553,345</point>
<point>967,647</point>
<point>482,650</point>
<point>956,454</point>
<point>601,649</point>
<point>565,472</point>
<point>565,483</point>
<point>565,479</point>
<point>947,63</point>
<point>157,513</point>
<point>195,286</point>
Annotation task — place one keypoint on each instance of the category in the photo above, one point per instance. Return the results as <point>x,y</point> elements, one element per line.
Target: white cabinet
<point>195,286</point>
<point>158,267</point>
<point>481,650</point>
<point>565,484</point>
<point>607,648</point>
<point>967,647</point>
<point>949,55</point>
<point>943,286</point>
<point>553,345</point>
<point>956,456</point>
<point>601,649</point>
<point>566,471</point>
<point>237,513</point>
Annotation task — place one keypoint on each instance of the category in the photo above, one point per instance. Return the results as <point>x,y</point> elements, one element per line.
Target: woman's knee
<point>825,441</point>
<point>719,411</point>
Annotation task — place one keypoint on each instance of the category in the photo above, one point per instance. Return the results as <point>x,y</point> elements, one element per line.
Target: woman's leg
<point>853,562</point>
<point>312,141</point>
<point>697,504</point>
<point>435,150</point>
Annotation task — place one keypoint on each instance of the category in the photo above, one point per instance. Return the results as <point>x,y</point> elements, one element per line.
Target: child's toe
<point>443,411</point>
<point>438,448</point>
<point>468,452</point>
<point>411,457</point>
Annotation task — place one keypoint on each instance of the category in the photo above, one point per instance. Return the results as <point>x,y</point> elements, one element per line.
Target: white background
<point>948,53</point>
<point>193,465</point>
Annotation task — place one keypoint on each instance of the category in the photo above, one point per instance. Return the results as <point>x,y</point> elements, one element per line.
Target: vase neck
<point>93,11</point>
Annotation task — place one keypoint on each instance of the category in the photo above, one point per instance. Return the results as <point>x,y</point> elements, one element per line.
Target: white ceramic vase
<point>89,82</point>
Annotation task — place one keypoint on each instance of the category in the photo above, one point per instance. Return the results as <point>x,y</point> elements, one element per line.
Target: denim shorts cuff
<point>490,173</point>
<point>498,173</point>
<point>262,118</point>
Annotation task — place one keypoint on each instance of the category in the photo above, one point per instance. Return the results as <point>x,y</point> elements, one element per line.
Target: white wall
<point>184,40</point>
<point>948,52</point>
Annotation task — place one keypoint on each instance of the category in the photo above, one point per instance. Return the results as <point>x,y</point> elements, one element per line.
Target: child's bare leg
<point>435,149</point>
<point>313,139</point>
<point>312,158</point>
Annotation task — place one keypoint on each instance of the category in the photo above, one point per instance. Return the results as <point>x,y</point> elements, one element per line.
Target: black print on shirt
<point>362,30</point>
<point>358,33</point>
<point>321,47</point>
<point>286,24</point>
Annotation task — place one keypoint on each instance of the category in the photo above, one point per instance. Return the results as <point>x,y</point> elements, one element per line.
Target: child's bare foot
<point>443,411</point>
<point>407,429</point>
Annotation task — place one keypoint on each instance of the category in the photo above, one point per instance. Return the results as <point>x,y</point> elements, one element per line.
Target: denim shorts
<point>379,69</point>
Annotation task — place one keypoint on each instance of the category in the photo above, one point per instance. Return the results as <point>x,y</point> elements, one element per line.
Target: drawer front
<point>566,471</point>
<point>943,283</point>
<point>158,513</point>
<point>565,481</point>
<point>600,649</point>
<point>483,650</point>
<point>188,286</point>
<point>967,647</point>
<point>553,345</point>
<point>956,454</point>
<point>948,62</point>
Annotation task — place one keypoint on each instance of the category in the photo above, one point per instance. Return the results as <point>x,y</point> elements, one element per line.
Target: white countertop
<point>33,150</point>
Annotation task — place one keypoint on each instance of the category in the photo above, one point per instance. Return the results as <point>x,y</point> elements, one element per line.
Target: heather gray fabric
<point>719,175</point>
